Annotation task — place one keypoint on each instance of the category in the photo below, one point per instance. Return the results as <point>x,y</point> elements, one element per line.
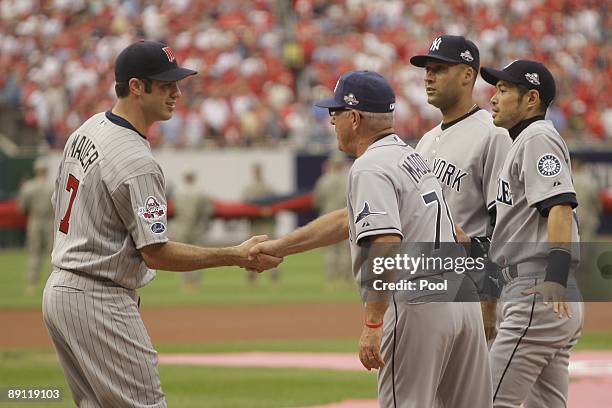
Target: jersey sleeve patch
<point>152,209</point>
<point>549,165</point>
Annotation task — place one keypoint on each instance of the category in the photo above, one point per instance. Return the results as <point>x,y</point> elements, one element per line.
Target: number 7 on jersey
<point>72,187</point>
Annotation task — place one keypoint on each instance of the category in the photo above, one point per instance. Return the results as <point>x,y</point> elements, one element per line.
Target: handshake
<point>259,254</point>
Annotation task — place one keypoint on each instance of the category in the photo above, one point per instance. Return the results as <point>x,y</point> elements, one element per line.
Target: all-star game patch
<point>152,209</point>
<point>549,165</point>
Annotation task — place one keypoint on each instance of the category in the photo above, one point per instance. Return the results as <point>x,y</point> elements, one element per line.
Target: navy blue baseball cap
<point>455,49</point>
<point>149,59</point>
<point>367,91</point>
<point>531,74</point>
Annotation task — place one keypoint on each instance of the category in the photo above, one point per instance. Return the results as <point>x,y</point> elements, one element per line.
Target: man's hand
<point>369,348</point>
<point>258,261</point>
<point>489,317</point>
<point>272,247</point>
<point>555,292</point>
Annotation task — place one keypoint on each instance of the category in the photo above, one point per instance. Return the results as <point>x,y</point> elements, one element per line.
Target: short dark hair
<point>522,90</point>
<point>122,89</point>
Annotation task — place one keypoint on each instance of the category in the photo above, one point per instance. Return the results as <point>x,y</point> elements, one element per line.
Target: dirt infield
<point>193,324</point>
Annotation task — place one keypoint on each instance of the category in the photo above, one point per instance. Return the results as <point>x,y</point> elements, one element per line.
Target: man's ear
<point>355,119</point>
<point>533,99</point>
<point>136,86</point>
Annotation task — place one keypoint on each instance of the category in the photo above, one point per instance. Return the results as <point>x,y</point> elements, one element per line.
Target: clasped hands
<point>258,254</point>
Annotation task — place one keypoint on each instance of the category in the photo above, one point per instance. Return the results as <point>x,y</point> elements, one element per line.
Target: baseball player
<point>426,352</point>
<point>466,150</point>
<point>110,235</point>
<point>34,200</point>
<point>532,241</point>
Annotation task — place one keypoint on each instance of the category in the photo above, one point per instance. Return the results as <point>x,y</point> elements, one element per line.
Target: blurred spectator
<point>260,61</point>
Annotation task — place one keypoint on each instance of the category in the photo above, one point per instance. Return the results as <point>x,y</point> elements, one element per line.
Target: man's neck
<point>462,107</point>
<point>367,141</point>
<point>132,114</point>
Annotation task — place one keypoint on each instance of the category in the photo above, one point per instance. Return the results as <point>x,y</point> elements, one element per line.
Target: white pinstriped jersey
<point>109,202</point>
<point>467,158</point>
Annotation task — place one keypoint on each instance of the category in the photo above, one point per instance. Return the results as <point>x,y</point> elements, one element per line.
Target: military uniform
<point>35,201</point>
<point>330,195</point>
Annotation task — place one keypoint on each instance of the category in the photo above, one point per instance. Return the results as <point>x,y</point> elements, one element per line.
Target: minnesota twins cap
<point>455,49</point>
<point>531,74</point>
<point>367,91</point>
<point>149,59</point>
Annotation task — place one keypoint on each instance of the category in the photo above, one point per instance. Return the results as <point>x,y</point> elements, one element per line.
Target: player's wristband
<point>557,269</point>
<point>374,325</point>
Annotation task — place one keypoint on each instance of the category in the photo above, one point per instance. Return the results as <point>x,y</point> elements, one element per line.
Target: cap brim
<point>421,60</point>
<point>492,76</point>
<point>175,74</point>
<point>329,103</point>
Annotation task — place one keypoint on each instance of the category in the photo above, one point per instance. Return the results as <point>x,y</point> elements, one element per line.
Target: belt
<point>508,274</point>
<point>532,268</point>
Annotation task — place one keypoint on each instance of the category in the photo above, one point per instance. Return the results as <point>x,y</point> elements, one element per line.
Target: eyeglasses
<point>336,111</point>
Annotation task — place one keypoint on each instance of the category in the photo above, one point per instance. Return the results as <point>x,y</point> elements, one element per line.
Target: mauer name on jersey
<point>84,150</point>
<point>416,166</point>
<point>449,174</point>
<point>504,195</point>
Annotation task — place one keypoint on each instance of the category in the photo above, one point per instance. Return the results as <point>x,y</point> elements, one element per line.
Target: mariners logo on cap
<point>350,99</point>
<point>467,56</point>
<point>534,78</point>
<point>549,165</point>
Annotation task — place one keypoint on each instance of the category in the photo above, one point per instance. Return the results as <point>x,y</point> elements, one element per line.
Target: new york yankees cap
<point>367,91</point>
<point>455,49</point>
<point>149,59</point>
<point>531,74</point>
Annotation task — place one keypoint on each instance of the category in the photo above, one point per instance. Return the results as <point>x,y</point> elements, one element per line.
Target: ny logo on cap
<point>435,45</point>
<point>169,53</point>
<point>534,78</point>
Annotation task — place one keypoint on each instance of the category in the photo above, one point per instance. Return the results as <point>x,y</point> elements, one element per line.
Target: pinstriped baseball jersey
<point>110,201</point>
<point>536,169</point>
<point>466,157</point>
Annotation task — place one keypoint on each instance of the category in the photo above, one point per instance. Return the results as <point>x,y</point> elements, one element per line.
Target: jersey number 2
<point>71,186</point>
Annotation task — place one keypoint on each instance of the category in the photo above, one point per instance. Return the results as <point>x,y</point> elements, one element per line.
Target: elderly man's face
<point>342,120</point>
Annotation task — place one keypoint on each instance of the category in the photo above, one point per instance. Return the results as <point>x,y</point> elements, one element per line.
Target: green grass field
<point>302,281</point>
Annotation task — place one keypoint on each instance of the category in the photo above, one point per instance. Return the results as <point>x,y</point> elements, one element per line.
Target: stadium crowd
<point>263,62</point>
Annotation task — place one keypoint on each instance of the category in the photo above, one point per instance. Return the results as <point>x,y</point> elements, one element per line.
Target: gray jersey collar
<point>391,139</point>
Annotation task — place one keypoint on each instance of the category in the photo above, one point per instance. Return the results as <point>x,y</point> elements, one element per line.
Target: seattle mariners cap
<point>531,74</point>
<point>366,91</point>
<point>151,60</point>
<point>455,49</point>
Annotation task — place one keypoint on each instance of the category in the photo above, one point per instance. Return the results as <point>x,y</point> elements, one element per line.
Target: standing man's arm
<point>326,230</point>
<point>372,333</point>
<point>179,257</point>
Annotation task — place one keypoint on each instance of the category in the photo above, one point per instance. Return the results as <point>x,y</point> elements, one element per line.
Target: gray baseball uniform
<point>466,156</point>
<point>433,351</point>
<point>530,355</point>
<point>109,202</point>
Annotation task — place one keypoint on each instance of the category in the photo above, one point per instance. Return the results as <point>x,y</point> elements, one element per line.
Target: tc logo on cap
<point>534,78</point>
<point>435,45</point>
<point>169,53</point>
